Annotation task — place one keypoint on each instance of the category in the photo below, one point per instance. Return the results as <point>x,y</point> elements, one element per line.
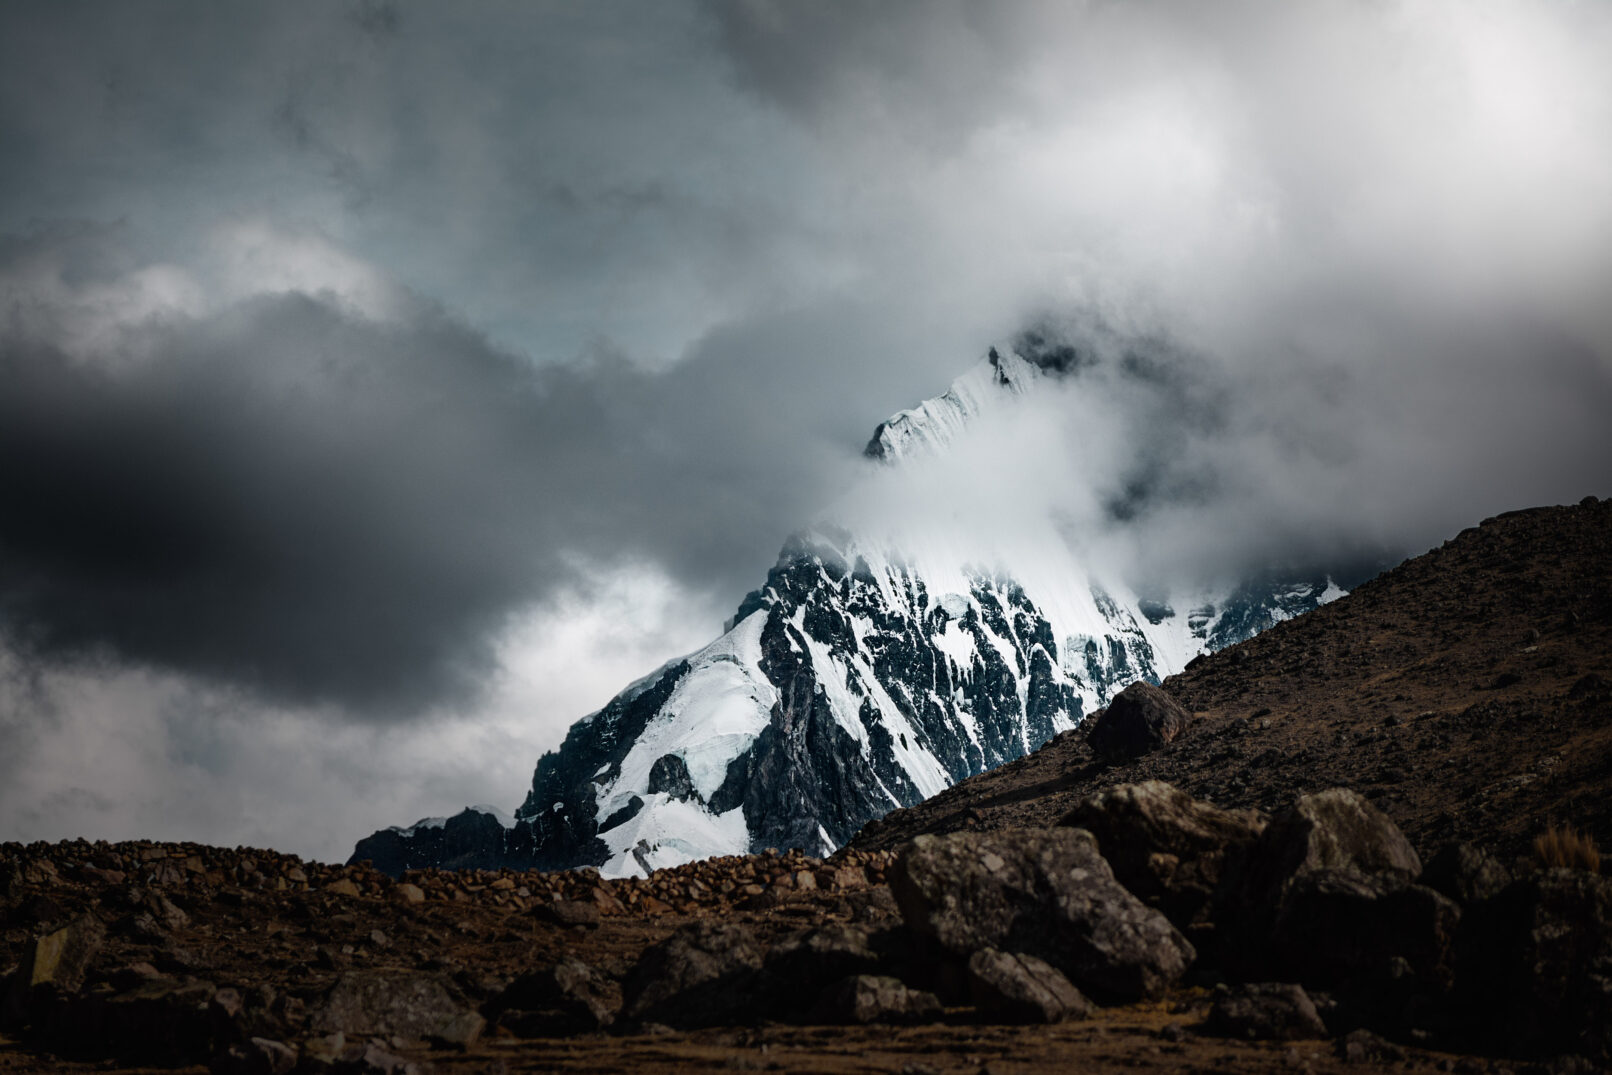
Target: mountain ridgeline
<point>856,680</point>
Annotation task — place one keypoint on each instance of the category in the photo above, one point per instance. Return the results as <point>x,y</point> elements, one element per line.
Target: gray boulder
<point>1010,987</point>
<point>1141,719</point>
<point>1046,893</point>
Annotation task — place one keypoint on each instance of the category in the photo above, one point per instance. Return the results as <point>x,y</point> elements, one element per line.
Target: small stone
<point>343,887</point>
<point>408,893</point>
<point>867,998</point>
<point>567,913</point>
<point>1012,988</point>
<point>1266,1011</point>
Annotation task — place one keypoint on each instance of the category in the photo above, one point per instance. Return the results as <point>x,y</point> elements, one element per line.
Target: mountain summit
<point>864,675</point>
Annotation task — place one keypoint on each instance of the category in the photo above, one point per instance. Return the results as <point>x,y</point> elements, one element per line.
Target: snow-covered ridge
<point>935,423</point>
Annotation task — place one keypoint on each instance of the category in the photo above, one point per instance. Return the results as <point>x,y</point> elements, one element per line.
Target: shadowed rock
<point>1265,1011</point>
<point>1334,829</point>
<point>1015,988</point>
<point>567,998</point>
<point>1140,719</point>
<point>866,998</point>
<point>1534,966</point>
<point>1466,873</point>
<point>1165,846</point>
<point>702,975</point>
<point>1041,892</point>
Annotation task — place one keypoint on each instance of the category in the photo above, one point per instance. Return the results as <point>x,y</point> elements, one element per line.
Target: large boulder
<point>1334,829</point>
<point>1327,893</point>
<point>1165,846</point>
<point>702,975</point>
<point>1535,966</point>
<point>1140,719</point>
<point>1046,893</point>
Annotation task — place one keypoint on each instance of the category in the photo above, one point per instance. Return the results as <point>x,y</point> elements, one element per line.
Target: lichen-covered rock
<point>1141,719</point>
<point>1010,987</point>
<point>1165,846</point>
<point>1280,1011</point>
<point>1046,893</point>
<point>702,975</point>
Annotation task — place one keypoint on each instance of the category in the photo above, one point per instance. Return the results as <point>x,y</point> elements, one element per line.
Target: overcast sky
<point>385,385</point>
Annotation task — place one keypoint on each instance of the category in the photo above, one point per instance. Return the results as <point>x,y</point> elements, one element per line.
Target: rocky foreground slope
<point>1467,693</point>
<point>1065,912</point>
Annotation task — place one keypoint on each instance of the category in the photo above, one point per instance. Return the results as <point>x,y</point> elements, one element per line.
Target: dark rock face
<point>1015,988</point>
<point>867,998</point>
<point>470,839</point>
<point>1535,966</point>
<point>700,976</point>
<point>1337,924</point>
<point>1466,874</point>
<point>1326,893</point>
<point>567,998</point>
<point>405,1004</point>
<point>805,965</point>
<point>1046,893</point>
<point>1140,720</point>
<point>1165,846</point>
<point>669,776</point>
<point>1265,1011</point>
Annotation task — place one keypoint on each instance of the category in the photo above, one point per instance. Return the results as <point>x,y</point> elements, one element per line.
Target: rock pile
<point>1319,921</point>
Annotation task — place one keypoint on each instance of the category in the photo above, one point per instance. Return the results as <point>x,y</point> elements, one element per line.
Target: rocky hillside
<point>867,673</point>
<point>1467,693</point>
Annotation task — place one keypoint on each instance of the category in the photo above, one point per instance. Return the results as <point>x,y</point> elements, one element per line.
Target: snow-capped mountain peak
<point>869,671</point>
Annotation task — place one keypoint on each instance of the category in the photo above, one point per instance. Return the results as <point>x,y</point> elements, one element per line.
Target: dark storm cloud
<point>322,507</point>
